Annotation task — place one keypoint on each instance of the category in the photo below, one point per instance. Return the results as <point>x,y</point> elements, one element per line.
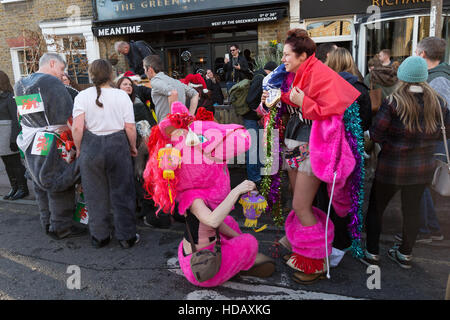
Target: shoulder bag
<point>205,264</point>
<point>441,178</point>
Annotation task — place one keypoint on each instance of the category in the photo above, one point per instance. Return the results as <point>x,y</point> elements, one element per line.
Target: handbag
<point>205,264</point>
<point>376,97</point>
<point>296,129</point>
<point>441,178</point>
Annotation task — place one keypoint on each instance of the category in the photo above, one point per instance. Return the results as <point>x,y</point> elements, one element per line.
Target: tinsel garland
<point>355,139</point>
<point>271,184</point>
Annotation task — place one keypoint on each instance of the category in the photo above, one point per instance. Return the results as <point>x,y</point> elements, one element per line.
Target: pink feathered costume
<point>204,175</point>
<point>327,96</point>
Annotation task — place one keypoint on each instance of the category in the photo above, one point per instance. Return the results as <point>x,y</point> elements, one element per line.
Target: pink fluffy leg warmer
<point>308,243</point>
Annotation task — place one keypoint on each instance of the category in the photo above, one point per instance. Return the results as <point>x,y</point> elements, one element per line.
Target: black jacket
<point>8,111</point>
<point>141,111</point>
<point>138,51</point>
<point>238,74</point>
<point>216,91</point>
<point>365,106</point>
<point>254,95</point>
<point>72,91</point>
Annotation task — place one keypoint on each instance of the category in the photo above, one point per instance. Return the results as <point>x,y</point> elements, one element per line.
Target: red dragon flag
<point>29,104</point>
<point>42,143</point>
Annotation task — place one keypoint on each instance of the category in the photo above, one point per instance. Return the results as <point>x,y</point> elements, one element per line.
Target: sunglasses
<point>233,50</point>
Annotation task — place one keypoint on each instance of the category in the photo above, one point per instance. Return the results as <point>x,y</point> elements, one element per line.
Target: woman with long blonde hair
<point>407,126</point>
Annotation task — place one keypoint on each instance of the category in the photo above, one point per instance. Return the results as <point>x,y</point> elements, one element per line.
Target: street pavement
<point>34,266</point>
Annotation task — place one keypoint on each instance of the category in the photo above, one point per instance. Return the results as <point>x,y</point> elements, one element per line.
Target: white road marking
<point>270,292</point>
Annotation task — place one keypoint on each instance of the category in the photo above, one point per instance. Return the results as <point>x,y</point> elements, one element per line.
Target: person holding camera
<point>235,68</point>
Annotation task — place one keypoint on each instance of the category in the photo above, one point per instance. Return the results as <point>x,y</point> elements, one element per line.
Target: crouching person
<point>187,165</point>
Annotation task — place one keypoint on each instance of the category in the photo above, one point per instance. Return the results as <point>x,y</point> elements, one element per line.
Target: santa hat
<point>132,76</point>
<point>195,80</point>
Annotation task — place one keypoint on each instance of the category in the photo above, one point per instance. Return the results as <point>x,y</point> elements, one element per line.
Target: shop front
<point>367,26</point>
<point>190,35</point>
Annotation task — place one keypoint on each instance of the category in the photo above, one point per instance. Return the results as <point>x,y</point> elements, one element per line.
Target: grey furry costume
<point>52,176</point>
<point>51,172</point>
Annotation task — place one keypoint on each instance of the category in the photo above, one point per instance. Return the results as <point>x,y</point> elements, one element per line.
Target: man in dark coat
<point>134,53</point>
<point>235,68</point>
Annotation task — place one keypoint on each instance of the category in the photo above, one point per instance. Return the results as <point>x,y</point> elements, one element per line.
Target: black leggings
<point>380,196</point>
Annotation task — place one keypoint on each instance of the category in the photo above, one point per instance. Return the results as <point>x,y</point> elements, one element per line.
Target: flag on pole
<point>42,143</point>
<point>29,104</point>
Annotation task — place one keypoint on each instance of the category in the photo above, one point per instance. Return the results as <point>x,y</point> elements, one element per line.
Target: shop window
<point>446,35</point>
<point>396,35</point>
<point>329,28</point>
<point>424,27</point>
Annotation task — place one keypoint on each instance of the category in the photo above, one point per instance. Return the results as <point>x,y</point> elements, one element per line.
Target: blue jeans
<point>229,84</point>
<point>252,160</point>
<point>428,219</point>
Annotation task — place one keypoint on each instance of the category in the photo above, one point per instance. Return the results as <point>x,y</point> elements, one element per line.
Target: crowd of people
<point>118,143</point>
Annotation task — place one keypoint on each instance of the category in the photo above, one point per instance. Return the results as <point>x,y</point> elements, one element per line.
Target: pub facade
<point>190,35</point>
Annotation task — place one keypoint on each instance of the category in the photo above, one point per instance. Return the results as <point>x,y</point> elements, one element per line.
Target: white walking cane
<point>326,225</point>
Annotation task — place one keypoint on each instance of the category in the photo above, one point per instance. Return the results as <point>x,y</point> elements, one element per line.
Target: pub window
<point>396,35</point>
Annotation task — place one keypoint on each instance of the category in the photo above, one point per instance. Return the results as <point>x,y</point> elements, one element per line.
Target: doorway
<point>182,61</point>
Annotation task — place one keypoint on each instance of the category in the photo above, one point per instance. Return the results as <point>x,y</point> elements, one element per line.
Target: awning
<point>198,21</point>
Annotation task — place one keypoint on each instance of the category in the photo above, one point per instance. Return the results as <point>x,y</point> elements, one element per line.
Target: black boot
<point>12,180</point>
<point>22,190</point>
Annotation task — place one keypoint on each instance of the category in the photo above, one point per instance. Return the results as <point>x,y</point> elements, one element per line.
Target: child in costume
<point>200,185</point>
<point>316,150</point>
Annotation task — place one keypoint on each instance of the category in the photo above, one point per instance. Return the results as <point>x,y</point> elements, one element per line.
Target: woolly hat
<point>270,66</point>
<point>413,69</point>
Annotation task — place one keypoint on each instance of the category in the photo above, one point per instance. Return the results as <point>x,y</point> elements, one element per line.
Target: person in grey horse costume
<point>53,178</point>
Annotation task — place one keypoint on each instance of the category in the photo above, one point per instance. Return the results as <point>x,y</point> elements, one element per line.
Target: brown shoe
<point>285,243</point>
<point>304,278</point>
<point>286,257</point>
<point>264,267</point>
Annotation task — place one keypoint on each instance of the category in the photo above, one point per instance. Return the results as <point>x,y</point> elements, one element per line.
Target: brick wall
<point>271,31</point>
<point>17,16</point>
<point>106,45</point>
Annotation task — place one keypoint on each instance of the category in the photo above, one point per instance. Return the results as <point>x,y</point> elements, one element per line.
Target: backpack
<point>238,96</point>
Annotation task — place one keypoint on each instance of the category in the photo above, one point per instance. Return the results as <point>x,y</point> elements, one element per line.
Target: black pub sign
<point>113,10</point>
<point>329,8</point>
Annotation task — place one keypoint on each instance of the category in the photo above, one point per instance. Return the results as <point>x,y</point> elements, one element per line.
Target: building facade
<point>22,21</point>
<point>367,26</point>
<point>190,34</point>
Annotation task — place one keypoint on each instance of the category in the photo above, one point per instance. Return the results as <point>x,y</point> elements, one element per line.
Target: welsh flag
<point>42,143</point>
<point>81,214</point>
<point>29,104</point>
